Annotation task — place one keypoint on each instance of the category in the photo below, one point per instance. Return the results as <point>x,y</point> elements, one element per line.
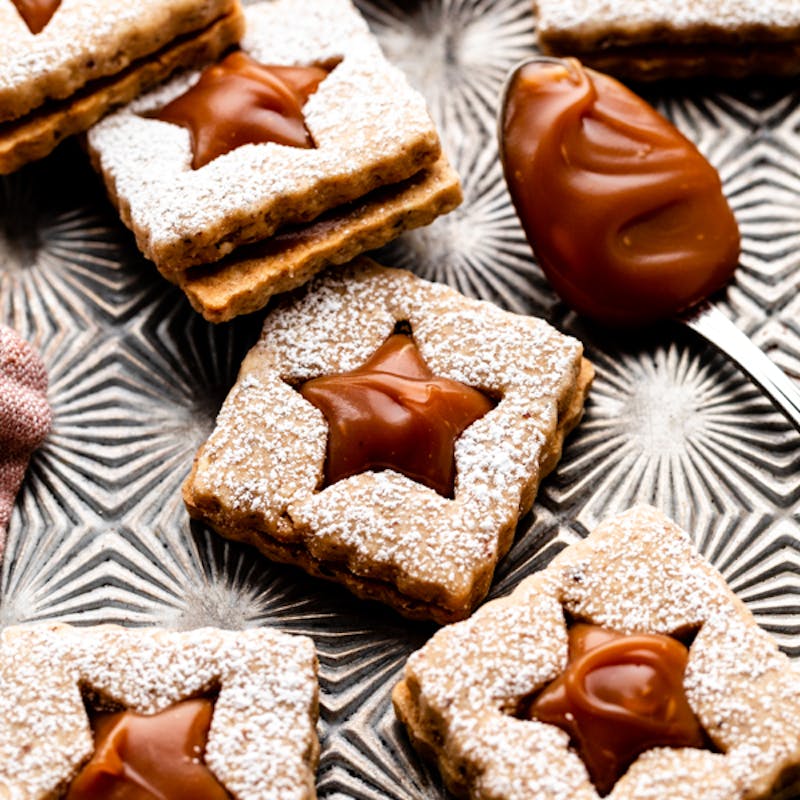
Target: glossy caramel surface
<point>153,757</point>
<point>393,413</point>
<point>240,101</point>
<point>619,696</point>
<point>36,13</point>
<point>626,217</point>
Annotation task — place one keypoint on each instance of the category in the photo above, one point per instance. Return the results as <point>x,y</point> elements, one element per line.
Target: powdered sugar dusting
<point>688,18</point>
<point>365,120</point>
<point>262,742</point>
<point>635,572</point>
<point>384,524</point>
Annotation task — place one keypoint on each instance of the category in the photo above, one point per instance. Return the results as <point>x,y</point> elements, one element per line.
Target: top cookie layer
<point>369,126</point>
<point>86,40</point>
<point>594,23</point>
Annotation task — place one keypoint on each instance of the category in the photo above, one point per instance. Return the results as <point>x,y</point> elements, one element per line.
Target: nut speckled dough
<point>93,55</point>
<point>650,39</point>
<point>371,129</point>
<point>381,534</point>
<point>637,572</point>
<point>262,744</point>
<point>244,281</point>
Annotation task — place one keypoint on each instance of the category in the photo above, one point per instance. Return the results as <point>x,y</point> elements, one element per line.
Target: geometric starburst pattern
<point>680,429</point>
<point>479,248</point>
<point>62,251</point>
<point>99,532</point>
<point>457,53</point>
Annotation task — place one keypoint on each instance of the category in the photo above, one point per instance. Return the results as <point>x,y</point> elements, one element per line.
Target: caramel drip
<point>154,757</point>
<point>619,696</point>
<point>36,13</point>
<point>240,101</point>
<point>625,216</point>
<point>393,413</point>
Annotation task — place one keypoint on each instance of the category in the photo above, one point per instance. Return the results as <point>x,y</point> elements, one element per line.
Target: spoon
<point>627,219</point>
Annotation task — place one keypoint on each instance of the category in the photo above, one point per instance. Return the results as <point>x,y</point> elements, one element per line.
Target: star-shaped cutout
<point>240,101</point>
<point>394,413</point>
<point>619,696</point>
<point>36,13</point>
<point>150,757</point>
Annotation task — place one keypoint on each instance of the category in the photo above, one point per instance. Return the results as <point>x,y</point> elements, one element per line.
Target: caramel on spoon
<point>625,216</point>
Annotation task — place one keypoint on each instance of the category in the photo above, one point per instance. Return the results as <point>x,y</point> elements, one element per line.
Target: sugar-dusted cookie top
<point>260,475</point>
<point>693,20</point>
<point>636,573</point>
<point>86,40</point>
<point>368,126</point>
<point>262,743</point>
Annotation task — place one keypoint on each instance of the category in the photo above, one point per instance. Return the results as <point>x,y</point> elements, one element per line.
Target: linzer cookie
<point>387,433</point>
<point>305,135</point>
<point>648,39</point>
<point>94,713</point>
<point>627,668</point>
<point>64,64</point>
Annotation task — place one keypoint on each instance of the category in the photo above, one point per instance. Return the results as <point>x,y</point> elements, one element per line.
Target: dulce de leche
<point>619,696</point>
<point>36,13</point>
<point>153,757</point>
<point>393,413</point>
<point>239,102</point>
<point>625,216</point>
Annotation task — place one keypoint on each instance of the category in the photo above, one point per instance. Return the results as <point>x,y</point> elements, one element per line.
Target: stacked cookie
<point>263,218</point>
<point>82,58</point>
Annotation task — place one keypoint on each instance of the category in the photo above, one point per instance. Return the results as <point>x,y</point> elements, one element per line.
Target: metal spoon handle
<point>707,320</point>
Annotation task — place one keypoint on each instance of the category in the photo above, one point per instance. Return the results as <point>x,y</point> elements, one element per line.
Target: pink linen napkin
<point>24,416</point>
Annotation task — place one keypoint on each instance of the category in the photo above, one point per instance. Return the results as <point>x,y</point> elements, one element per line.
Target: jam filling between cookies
<point>150,757</point>
<point>619,696</point>
<point>36,13</point>
<point>394,413</point>
<point>626,217</point>
<point>240,101</point>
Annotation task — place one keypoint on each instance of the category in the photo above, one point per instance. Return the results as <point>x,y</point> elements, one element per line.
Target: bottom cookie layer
<point>245,282</point>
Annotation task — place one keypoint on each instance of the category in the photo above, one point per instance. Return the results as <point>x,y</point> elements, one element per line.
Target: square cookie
<point>639,573</point>
<point>648,40</point>
<point>92,55</point>
<point>260,477</point>
<point>262,742</point>
<point>370,129</point>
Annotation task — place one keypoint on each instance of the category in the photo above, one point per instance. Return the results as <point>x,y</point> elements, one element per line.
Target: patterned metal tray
<point>99,532</point>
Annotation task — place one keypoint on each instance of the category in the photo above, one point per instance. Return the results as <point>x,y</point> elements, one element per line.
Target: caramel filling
<point>36,13</point>
<point>619,696</point>
<point>626,217</point>
<point>154,757</point>
<point>240,101</point>
<point>393,413</point>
